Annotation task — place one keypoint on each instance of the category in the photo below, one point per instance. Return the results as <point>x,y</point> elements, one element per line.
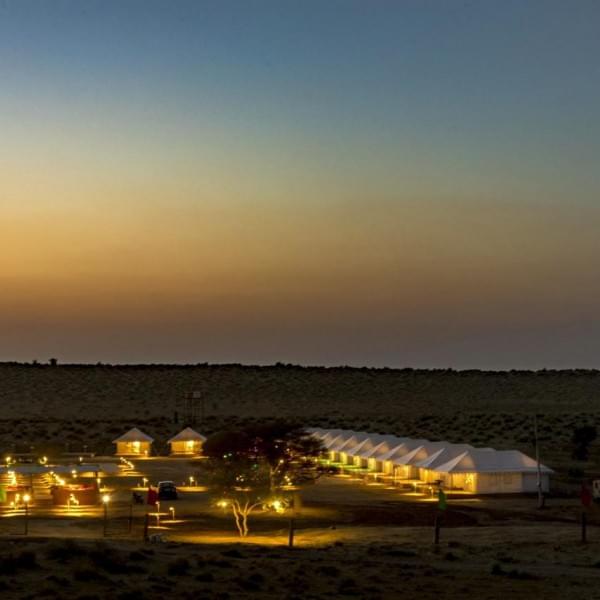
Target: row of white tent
<point>456,466</point>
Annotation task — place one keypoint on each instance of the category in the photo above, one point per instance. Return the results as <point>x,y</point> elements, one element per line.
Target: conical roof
<point>188,434</point>
<point>134,435</point>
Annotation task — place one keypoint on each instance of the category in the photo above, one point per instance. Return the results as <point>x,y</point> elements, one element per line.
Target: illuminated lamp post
<point>26,500</point>
<point>105,501</point>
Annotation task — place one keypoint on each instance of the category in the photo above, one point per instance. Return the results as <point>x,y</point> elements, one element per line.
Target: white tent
<point>134,443</point>
<point>428,465</point>
<point>390,458</point>
<point>373,457</point>
<point>367,447</point>
<point>458,466</point>
<point>187,442</point>
<point>336,439</point>
<point>343,453</point>
<point>482,471</point>
<point>405,466</point>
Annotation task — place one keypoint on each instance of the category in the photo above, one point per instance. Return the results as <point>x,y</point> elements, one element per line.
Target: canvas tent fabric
<point>188,434</point>
<point>485,471</point>
<point>188,442</point>
<point>134,435</point>
<point>133,443</point>
<point>367,447</point>
<point>458,466</point>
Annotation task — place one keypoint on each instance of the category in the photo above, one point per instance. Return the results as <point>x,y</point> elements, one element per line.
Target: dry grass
<point>368,569</point>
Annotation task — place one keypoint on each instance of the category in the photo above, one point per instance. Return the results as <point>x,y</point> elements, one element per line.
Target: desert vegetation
<point>84,407</point>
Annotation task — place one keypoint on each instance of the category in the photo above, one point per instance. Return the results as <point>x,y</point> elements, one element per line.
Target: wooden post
<point>291,533</point>
<point>537,460</point>
<point>583,527</point>
<point>105,529</point>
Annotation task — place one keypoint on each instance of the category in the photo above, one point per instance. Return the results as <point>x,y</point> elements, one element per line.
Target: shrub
<point>64,551</point>
<point>179,566</point>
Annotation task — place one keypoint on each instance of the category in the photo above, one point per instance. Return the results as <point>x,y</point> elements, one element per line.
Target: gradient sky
<point>337,182</point>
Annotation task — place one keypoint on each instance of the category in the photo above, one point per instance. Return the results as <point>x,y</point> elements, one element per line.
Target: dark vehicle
<point>167,490</point>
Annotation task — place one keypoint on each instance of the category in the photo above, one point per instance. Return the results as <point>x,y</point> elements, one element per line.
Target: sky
<point>403,184</point>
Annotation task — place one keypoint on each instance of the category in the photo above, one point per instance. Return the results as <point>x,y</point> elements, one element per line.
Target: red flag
<point>152,498</point>
<point>586,495</point>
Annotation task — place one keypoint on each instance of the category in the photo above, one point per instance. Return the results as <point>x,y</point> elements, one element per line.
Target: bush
<point>179,566</point>
<point>107,561</point>
<point>64,551</point>
<point>582,438</point>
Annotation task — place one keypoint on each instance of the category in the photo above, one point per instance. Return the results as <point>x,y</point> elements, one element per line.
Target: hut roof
<point>134,435</point>
<point>188,434</point>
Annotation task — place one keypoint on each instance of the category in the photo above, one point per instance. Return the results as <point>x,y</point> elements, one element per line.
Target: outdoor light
<point>105,500</point>
<point>144,481</point>
<point>8,460</point>
<point>26,499</point>
<point>172,511</point>
<point>191,480</point>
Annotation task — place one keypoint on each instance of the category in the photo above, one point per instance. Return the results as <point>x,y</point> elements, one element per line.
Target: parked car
<point>167,490</point>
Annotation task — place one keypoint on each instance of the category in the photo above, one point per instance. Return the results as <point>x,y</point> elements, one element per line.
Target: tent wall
<point>186,447</point>
<point>133,448</point>
<point>405,472</point>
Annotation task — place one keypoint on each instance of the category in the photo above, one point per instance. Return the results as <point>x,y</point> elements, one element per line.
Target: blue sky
<point>286,154</point>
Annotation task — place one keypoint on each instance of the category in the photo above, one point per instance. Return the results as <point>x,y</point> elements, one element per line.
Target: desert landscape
<point>67,407</point>
<point>299,300</point>
<point>354,537</point>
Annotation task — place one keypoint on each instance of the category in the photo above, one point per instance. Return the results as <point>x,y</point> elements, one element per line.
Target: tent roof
<point>401,449</point>
<point>134,435</point>
<point>339,440</point>
<point>369,446</point>
<point>444,455</point>
<point>480,460</point>
<point>333,441</point>
<point>186,435</point>
<point>414,456</point>
<point>351,442</point>
<point>384,447</point>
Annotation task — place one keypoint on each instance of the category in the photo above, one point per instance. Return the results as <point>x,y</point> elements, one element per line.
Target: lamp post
<point>105,501</point>
<point>26,500</point>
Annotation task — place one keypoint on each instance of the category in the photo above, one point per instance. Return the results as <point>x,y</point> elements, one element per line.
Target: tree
<point>582,438</point>
<point>257,466</point>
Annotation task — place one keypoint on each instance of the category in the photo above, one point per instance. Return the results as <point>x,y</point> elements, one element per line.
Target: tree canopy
<point>255,466</point>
